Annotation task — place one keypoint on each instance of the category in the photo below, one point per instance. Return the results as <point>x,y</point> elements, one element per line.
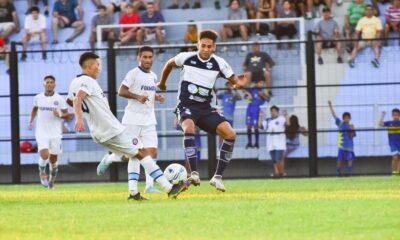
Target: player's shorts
<point>52,144</point>
<point>346,155</point>
<point>394,148</point>
<point>252,117</point>
<point>123,144</point>
<point>205,117</point>
<point>276,155</point>
<point>146,134</point>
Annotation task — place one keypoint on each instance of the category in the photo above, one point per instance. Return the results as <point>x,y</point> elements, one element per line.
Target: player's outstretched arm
<point>165,73</point>
<point>381,120</point>
<point>286,116</point>
<point>79,124</point>
<point>32,117</point>
<point>332,110</point>
<point>239,81</point>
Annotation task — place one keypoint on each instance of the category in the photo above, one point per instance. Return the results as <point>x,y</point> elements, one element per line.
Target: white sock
<point>133,175</point>
<point>113,158</point>
<point>53,171</point>
<point>155,172</point>
<point>42,166</point>
<point>149,180</point>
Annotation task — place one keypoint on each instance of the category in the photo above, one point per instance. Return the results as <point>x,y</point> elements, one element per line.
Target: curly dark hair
<point>293,129</point>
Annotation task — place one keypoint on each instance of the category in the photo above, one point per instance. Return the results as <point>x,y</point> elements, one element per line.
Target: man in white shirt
<point>139,87</point>
<point>90,103</point>
<point>51,110</point>
<point>35,29</point>
<point>276,139</point>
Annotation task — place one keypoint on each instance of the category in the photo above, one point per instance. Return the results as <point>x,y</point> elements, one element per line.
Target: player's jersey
<point>276,137</point>
<point>197,77</point>
<point>257,101</point>
<point>102,123</point>
<point>346,135</point>
<point>228,99</point>
<point>48,125</point>
<point>142,83</point>
<point>393,131</point>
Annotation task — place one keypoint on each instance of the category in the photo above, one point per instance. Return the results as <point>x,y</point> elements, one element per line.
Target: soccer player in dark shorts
<point>199,71</point>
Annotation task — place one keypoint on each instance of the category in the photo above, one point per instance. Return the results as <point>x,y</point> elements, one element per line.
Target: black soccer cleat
<point>177,189</point>
<point>137,197</point>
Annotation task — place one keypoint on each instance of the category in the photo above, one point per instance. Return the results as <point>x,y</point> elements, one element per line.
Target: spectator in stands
<point>131,16</point>
<point>35,29</point>
<point>311,4</point>
<point>116,6</point>
<point>293,131</point>
<point>285,28</point>
<point>354,13</point>
<point>9,22</point>
<point>186,4</point>
<point>64,16</point>
<point>32,3</point>
<point>328,30</point>
<point>266,9</point>
<point>228,98</point>
<point>369,27</point>
<point>150,33</point>
<point>120,6</point>
<point>256,96</point>
<point>276,139</point>
<point>257,66</point>
<point>392,20</point>
<point>393,128</point>
<point>191,36</point>
<point>235,29</point>
<point>102,18</point>
<point>379,5</point>
<point>4,55</point>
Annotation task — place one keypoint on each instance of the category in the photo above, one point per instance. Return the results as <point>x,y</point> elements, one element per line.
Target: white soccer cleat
<point>194,178</point>
<point>216,182</point>
<point>103,165</point>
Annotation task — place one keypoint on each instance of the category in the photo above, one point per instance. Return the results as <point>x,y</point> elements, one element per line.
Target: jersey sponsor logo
<point>203,91</point>
<point>197,98</point>
<point>135,141</point>
<point>148,88</point>
<point>56,103</point>
<point>47,108</point>
<point>192,88</point>
<point>193,62</point>
<point>209,65</point>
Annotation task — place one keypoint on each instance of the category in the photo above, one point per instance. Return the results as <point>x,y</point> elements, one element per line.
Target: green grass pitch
<point>322,208</point>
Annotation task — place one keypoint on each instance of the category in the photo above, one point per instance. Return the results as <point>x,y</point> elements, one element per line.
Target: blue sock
<point>338,170</point>
<point>189,144</point>
<point>350,169</point>
<point>224,156</point>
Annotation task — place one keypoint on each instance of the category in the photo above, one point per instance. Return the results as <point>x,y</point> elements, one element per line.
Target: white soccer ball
<point>175,173</point>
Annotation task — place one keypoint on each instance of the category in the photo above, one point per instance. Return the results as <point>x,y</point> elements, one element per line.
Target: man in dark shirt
<point>8,19</point>
<point>150,33</point>
<point>257,65</point>
<point>64,16</point>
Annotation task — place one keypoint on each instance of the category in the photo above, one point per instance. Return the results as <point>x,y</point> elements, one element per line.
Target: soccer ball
<point>175,173</point>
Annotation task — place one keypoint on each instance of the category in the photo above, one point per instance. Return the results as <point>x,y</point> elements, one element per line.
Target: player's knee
<point>230,135</point>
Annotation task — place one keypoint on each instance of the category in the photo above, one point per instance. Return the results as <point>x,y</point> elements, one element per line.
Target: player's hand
<point>30,126</point>
<point>79,126</point>
<point>56,113</point>
<point>241,81</point>
<point>161,86</point>
<point>142,99</point>
<point>160,98</point>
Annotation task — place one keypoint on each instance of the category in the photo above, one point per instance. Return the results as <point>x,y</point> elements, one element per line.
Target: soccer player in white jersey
<point>50,109</point>
<point>139,87</point>
<point>90,103</point>
<point>199,71</point>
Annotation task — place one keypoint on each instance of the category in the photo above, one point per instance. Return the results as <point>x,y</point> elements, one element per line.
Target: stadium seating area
<point>365,102</point>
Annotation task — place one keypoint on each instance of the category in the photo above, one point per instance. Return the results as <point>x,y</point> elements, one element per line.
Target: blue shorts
<point>205,117</point>
<point>252,116</point>
<point>276,155</point>
<point>394,148</point>
<point>346,155</point>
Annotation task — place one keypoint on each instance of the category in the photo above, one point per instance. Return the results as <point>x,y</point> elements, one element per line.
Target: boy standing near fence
<point>393,128</point>
<point>345,141</point>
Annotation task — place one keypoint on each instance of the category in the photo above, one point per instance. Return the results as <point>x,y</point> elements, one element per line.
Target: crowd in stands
<point>361,22</point>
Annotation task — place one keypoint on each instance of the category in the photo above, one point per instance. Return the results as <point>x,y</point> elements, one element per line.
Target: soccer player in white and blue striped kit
<point>199,71</point>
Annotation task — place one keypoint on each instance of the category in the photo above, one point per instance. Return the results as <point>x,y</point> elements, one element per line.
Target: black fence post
<point>112,96</point>
<point>14,108</point>
<point>212,154</point>
<point>312,107</point>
